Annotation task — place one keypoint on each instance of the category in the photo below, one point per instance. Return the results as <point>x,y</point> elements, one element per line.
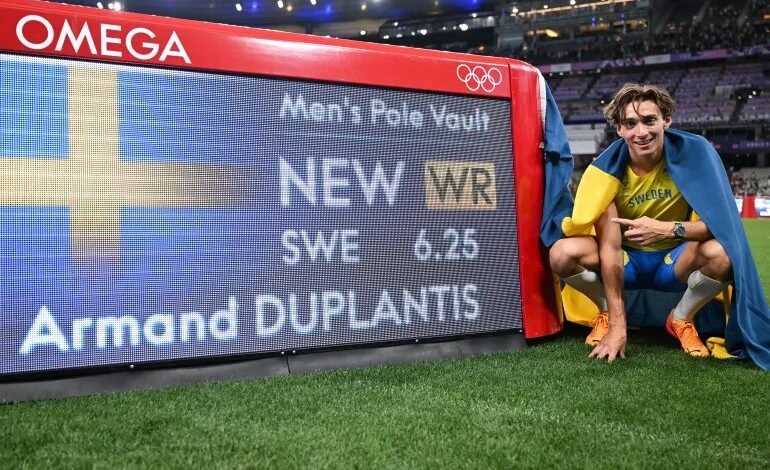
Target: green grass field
<point>548,406</point>
<point>758,232</point>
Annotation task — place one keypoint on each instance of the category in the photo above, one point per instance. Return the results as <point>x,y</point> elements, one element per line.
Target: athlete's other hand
<point>612,346</point>
<point>645,230</point>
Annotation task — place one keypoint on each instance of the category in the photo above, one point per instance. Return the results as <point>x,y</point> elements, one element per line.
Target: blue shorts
<point>652,269</point>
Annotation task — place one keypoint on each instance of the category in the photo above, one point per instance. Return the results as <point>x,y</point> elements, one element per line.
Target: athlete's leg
<point>708,257</point>
<point>707,270</point>
<point>715,262</point>
<point>576,261</point>
<point>572,255</point>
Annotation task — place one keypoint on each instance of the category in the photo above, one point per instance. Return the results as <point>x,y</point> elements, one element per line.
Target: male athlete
<point>647,234</point>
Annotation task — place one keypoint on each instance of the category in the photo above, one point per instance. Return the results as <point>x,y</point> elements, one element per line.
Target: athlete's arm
<point>647,231</point>
<point>609,238</point>
<point>695,231</point>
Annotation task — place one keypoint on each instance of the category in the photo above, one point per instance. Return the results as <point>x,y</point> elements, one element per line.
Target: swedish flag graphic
<point>113,201</point>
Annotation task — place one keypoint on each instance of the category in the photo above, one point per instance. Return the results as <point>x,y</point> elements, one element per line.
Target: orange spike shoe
<point>601,324</point>
<point>685,332</point>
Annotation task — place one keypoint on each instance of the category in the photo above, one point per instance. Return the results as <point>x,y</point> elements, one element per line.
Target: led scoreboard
<point>174,190</point>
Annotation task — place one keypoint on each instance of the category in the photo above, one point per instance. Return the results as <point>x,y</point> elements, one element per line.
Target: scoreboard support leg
<point>132,380</point>
<point>357,358</point>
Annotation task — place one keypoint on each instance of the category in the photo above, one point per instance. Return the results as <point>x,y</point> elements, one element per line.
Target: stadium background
<point>711,55</point>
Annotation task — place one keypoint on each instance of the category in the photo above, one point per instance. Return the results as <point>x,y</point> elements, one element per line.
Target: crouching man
<point>647,234</point>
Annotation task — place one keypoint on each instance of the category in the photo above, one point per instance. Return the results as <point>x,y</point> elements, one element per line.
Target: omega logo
<point>141,43</point>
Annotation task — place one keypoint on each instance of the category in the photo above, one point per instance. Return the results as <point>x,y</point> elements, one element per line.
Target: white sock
<point>588,283</point>
<point>700,289</point>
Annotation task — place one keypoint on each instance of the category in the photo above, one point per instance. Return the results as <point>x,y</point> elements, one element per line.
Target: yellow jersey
<point>653,195</point>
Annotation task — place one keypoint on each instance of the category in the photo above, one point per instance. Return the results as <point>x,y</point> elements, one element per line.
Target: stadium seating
<point>707,96</point>
<point>714,87</point>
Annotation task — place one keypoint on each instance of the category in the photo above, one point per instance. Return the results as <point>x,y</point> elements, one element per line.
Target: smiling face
<point>641,126</point>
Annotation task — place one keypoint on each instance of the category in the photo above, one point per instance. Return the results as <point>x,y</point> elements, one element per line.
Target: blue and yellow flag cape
<point>697,170</point>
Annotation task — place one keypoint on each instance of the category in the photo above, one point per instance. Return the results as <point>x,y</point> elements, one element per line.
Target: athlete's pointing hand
<point>645,230</point>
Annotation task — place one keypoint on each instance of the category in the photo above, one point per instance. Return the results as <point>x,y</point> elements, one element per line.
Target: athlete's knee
<point>558,255</point>
<point>717,261</point>
<point>564,256</point>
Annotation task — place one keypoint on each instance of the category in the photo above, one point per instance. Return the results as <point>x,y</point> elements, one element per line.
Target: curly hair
<point>636,93</point>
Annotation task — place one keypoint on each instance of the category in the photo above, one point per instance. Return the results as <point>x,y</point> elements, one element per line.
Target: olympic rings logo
<point>479,77</point>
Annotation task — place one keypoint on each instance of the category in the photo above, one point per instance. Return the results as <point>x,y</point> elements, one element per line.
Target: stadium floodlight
<point>99,5</point>
<point>238,7</point>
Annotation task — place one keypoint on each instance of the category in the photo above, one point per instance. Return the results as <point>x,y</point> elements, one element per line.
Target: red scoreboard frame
<point>47,29</point>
